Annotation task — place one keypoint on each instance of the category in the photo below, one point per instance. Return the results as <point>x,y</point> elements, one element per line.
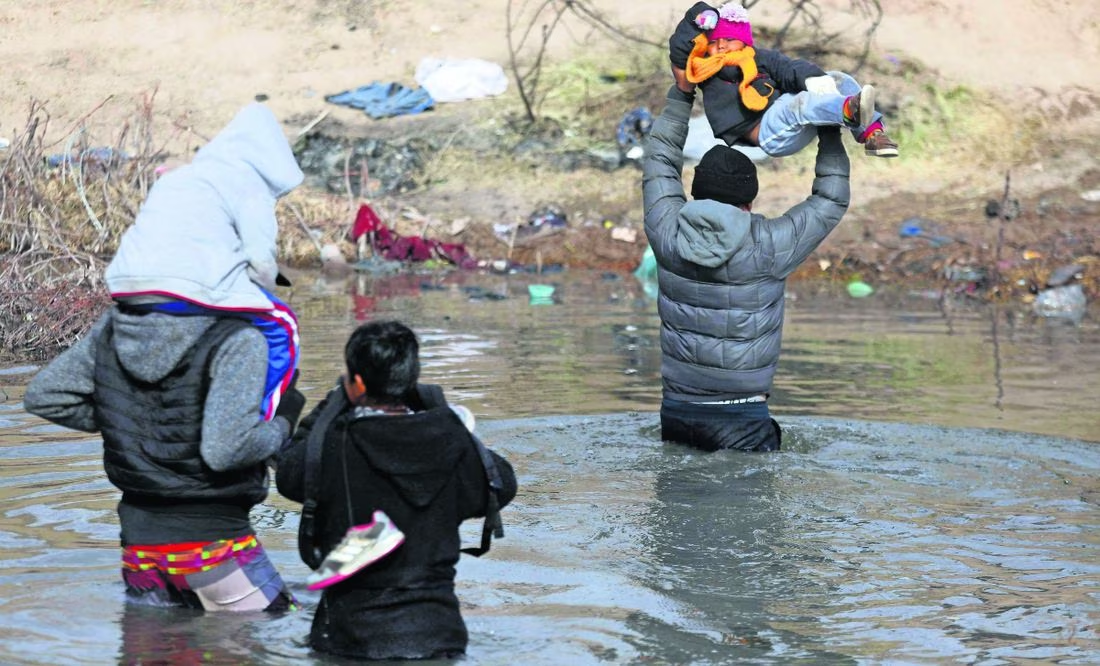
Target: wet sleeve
<point>233,434</point>
<point>290,461</point>
<point>662,173</point>
<point>62,391</point>
<point>800,230</point>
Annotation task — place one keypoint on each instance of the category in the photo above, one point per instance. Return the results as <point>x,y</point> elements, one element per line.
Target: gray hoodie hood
<point>709,232</point>
<point>252,140</point>
<point>150,346</point>
<point>206,232</point>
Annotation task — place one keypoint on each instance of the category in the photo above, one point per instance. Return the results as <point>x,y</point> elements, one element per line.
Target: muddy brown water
<point>936,501</point>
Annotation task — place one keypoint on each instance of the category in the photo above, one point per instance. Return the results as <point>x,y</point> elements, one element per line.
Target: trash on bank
<point>917,227</point>
<point>458,80</point>
<point>973,276</point>
<point>367,167</point>
<point>545,221</point>
<point>1064,275</point>
<point>381,100</point>
<point>391,246</point>
<point>625,234</point>
<point>632,131</point>
<point>646,273</point>
<point>102,156</point>
<point>1064,302</point>
<point>859,289</point>
<point>476,293</point>
<point>541,294</point>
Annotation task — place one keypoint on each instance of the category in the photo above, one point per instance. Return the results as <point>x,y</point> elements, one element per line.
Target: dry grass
<point>63,208</point>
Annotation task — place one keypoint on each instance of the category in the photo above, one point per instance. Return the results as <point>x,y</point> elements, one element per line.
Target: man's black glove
<point>683,38</point>
<point>291,405</point>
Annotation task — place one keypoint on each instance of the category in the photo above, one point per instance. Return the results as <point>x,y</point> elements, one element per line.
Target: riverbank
<point>949,74</point>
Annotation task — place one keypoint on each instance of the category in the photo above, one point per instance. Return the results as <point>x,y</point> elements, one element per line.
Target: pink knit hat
<point>733,23</point>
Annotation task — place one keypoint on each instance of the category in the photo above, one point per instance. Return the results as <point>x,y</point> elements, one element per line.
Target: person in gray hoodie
<point>721,272</point>
<point>174,376</point>
<point>203,242</point>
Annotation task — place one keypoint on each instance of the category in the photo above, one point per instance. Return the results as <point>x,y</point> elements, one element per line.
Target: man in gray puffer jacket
<point>721,272</point>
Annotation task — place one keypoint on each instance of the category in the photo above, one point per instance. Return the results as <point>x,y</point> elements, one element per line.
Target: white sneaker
<point>361,546</point>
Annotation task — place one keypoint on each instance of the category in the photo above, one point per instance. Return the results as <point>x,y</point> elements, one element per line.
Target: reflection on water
<point>860,543</point>
<point>597,351</point>
<point>906,521</point>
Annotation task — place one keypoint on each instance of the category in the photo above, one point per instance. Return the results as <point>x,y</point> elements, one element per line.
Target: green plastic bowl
<point>540,291</point>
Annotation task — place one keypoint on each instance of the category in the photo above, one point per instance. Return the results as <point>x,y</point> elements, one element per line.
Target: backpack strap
<point>431,395</point>
<point>308,548</point>
<point>493,526</point>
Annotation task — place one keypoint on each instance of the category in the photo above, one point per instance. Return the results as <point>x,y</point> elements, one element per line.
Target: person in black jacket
<point>384,447</point>
<point>764,98</point>
<point>721,274</point>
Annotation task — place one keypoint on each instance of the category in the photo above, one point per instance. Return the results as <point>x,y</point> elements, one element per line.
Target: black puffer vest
<point>152,431</point>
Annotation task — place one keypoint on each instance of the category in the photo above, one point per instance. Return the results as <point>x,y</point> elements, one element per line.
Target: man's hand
<point>291,403</point>
<point>681,80</point>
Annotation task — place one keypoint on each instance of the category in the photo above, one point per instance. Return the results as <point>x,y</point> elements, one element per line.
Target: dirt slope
<point>91,61</point>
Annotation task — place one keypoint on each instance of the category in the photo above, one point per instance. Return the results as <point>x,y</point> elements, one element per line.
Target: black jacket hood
<point>418,452</point>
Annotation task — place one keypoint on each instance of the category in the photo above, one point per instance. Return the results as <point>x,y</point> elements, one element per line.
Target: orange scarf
<point>701,67</point>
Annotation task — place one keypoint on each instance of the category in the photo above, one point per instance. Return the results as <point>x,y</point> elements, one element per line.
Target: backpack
<point>431,396</point>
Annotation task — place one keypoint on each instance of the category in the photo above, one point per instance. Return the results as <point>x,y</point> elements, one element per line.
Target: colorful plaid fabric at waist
<point>181,559</point>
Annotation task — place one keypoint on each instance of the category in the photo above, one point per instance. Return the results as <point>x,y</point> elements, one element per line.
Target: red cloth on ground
<point>394,247</point>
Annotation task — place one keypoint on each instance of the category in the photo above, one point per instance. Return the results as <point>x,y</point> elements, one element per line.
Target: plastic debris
<point>374,167</point>
<point>965,274</point>
<point>1066,302</point>
<point>646,273</point>
<point>632,131</point>
<point>457,80</point>
<point>102,155</point>
<point>625,234</point>
<point>859,289</point>
<point>1063,275</point>
<point>541,294</point>
<point>917,227</point>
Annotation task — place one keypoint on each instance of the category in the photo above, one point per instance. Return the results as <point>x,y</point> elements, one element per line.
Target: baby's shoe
<point>859,110</point>
<point>879,144</point>
<point>361,546</point>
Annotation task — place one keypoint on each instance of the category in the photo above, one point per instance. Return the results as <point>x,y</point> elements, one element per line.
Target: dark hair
<point>386,354</point>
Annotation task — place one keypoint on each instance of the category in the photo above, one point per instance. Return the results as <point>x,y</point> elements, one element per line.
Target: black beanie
<point>727,175</point>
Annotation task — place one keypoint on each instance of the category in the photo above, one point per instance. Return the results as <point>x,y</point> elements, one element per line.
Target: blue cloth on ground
<point>634,127</point>
<point>380,100</point>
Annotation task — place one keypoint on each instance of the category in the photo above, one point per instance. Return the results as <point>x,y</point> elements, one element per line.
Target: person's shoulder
<point>245,335</point>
